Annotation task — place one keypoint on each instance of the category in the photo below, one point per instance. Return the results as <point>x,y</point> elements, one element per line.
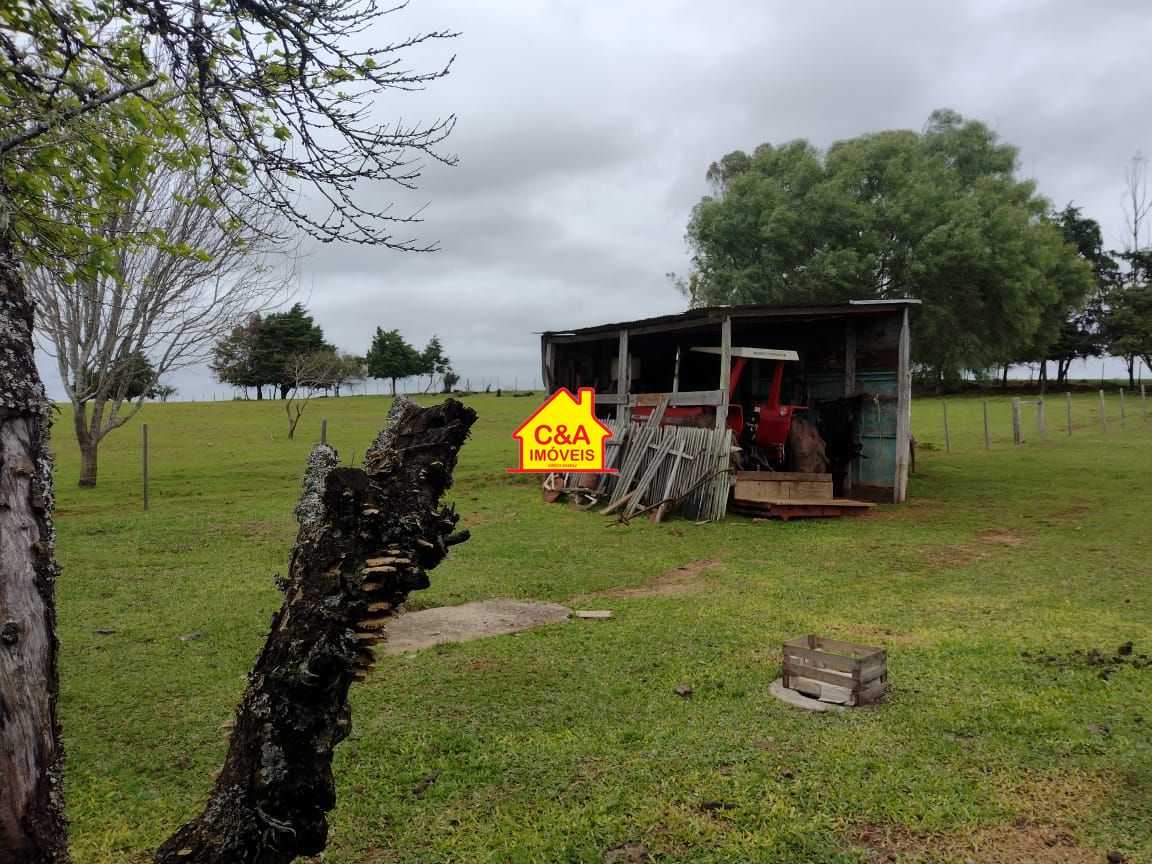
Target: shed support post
<point>850,390</point>
<point>623,378</point>
<point>903,411</point>
<point>547,371</point>
<point>850,357</point>
<point>725,370</point>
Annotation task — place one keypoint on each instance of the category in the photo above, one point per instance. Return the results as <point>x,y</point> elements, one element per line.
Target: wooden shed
<point>849,375</point>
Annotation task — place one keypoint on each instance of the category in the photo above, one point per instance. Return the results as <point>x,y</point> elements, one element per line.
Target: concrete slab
<point>799,700</point>
<point>415,631</point>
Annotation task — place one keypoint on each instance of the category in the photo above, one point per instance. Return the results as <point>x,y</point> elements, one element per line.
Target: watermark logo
<point>563,435</point>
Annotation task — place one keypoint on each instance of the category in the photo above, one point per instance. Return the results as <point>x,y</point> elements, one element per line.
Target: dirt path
<point>417,630</point>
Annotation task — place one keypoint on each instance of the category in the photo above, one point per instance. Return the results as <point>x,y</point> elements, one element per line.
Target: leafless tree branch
<point>167,299</point>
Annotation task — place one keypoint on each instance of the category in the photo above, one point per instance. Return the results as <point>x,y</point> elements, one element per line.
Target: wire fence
<point>968,424</point>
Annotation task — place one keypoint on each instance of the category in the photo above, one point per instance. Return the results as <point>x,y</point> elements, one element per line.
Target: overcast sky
<point>585,129</point>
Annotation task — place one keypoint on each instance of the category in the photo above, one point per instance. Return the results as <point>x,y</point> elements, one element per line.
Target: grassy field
<point>563,743</point>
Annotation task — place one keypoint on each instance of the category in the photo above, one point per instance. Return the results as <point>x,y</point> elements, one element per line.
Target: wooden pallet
<point>793,508</point>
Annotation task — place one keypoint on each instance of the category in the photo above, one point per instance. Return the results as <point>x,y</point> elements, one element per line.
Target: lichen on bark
<point>32,825</point>
<point>367,537</point>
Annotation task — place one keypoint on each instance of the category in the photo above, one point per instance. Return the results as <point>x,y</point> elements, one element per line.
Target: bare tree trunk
<point>32,827</point>
<point>88,446</point>
<point>367,537</point>
<point>88,453</point>
<point>293,422</point>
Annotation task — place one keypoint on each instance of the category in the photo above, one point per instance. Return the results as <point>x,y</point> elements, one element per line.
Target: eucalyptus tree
<point>276,99</point>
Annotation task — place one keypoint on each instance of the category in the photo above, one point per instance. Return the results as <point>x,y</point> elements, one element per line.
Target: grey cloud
<point>585,129</point>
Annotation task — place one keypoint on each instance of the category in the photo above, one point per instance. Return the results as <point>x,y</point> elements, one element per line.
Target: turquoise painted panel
<point>876,425</point>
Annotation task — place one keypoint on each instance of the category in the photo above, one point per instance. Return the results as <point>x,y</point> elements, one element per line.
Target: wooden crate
<point>781,485</point>
<point>830,670</point>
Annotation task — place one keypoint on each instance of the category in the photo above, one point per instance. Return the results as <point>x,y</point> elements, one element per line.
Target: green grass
<point>559,744</point>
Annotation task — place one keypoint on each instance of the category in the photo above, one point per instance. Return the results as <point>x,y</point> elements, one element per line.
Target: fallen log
<point>367,537</point>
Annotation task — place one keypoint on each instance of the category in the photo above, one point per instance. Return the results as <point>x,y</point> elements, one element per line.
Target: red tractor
<point>763,431</point>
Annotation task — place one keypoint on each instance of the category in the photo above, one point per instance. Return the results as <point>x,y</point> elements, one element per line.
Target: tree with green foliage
<point>1081,334</point>
<point>1076,292</point>
<point>142,380</point>
<point>1127,324</point>
<point>282,337</point>
<point>391,357</point>
<point>163,392</point>
<point>434,362</point>
<point>276,100</point>
<point>134,376</point>
<point>937,216</point>
<point>233,358</point>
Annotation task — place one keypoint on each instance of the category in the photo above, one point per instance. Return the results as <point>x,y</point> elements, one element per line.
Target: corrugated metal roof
<point>706,314</point>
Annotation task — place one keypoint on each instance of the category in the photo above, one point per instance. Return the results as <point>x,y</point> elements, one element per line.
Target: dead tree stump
<point>367,537</point>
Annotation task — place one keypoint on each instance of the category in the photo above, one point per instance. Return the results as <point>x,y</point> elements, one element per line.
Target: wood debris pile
<point>659,470</point>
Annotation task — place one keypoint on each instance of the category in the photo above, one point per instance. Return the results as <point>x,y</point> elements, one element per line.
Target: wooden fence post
<point>947,434</point>
<point>1123,419</point>
<point>1068,398</point>
<point>1016,437</point>
<point>144,460</point>
<point>987,441</point>
<point>1040,417</point>
<point>1103,417</point>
